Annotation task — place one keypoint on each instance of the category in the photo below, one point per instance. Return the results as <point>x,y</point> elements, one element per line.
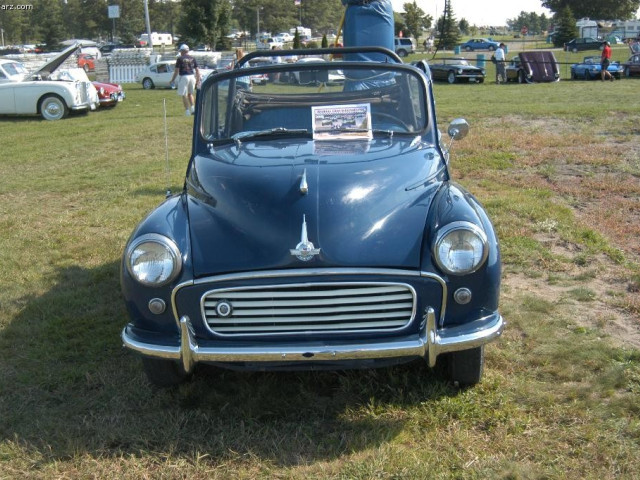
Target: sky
<point>478,12</point>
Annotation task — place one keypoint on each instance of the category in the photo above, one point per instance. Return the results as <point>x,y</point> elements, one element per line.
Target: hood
<point>48,68</point>
<point>541,66</point>
<point>360,204</point>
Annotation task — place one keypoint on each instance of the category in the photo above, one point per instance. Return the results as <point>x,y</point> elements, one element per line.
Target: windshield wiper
<point>240,136</point>
<point>361,130</point>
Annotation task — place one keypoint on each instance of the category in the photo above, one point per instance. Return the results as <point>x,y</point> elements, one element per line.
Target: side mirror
<point>458,129</point>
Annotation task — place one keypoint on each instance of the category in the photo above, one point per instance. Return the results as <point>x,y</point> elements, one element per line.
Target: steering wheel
<point>390,119</point>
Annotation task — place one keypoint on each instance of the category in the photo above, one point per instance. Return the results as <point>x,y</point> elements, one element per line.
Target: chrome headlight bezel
<point>168,247</point>
<point>460,227</point>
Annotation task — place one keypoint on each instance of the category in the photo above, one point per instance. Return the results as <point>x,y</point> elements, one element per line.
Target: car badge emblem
<point>305,250</point>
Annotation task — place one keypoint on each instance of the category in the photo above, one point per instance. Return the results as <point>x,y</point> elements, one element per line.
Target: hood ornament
<point>305,250</point>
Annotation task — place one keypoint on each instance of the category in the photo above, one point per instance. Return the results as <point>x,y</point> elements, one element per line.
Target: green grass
<point>560,397</point>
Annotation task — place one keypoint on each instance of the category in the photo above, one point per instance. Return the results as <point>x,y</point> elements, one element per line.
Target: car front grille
<point>309,308</point>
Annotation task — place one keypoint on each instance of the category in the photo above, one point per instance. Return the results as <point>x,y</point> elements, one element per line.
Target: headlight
<point>460,248</point>
<point>153,260</point>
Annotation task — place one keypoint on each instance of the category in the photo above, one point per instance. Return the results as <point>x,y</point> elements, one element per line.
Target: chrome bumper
<point>428,344</point>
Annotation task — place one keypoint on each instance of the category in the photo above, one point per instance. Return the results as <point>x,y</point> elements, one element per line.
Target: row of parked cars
<point>529,67</point>
<point>52,91</point>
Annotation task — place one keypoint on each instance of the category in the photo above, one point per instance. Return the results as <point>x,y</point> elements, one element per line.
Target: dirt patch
<point>594,296</point>
<point>595,171</point>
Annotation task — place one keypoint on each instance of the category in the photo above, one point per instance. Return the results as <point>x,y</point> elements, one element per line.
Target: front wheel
<point>451,77</point>
<point>464,367</point>
<point>627,72</point>
<point>164,373</point>
<point>52,107</point>
<point>521,78</point>
<point>402,53</point>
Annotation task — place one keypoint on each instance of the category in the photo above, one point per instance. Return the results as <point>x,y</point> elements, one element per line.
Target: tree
<point>449,35</point>
<point>416,20</point>
<point>47,21</point>
<point>464,26</point>
<point>296,39</point>
<point>566,28</point>
<point>535,23</point>
<point>205,21</point>
<point>600,10</point>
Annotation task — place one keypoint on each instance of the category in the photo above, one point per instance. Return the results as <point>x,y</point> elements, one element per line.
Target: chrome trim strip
<point>174,305</point>
<point>428,344</point>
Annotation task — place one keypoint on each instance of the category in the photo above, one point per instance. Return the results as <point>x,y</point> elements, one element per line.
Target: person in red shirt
<point>605,61</point>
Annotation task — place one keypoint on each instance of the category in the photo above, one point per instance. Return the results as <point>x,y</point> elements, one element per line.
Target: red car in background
<point>109,94</point>
<point>86,62</point>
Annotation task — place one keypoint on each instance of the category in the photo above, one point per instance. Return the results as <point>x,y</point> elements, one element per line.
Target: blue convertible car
<point>318,227</point>
<point>590,69</point>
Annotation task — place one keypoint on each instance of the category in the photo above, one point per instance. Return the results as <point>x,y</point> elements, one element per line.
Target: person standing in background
<point>605,61</point>
<point>187,68</point>
<point>501,72</point>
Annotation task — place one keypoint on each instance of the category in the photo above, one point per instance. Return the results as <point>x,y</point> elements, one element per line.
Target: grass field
<point>556,165</point>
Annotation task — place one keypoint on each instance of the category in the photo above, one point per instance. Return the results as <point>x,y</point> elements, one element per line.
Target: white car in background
<point>43,92</point>
<point>284,37</point>
<point>158,75</point>
<point>269,43</point>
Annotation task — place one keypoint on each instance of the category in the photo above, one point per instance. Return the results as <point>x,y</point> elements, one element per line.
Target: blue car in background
<point>590,68</point>
<point>479,44</point>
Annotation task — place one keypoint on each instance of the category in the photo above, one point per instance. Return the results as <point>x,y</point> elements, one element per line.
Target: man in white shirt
<point>501,72</point>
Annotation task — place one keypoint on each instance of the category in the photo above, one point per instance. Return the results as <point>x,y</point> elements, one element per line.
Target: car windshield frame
<point>382,84</point>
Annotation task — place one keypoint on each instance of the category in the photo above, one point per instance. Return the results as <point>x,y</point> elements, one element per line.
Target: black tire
<point>164,373</point>
<point>587,75</point>
<point>147,83</point>
<point>521,78</point>
<point>402,53</point>
<point>464,367</point>
<point>468,49</point>
<point>451,76</point>
<point>52,107</point>
<point>627,72</point>
<point>491,48</point>
<point>574,50</point>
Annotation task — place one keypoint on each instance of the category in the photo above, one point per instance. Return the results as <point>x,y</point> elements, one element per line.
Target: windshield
<point>14,69</point>
<point>316,99</point>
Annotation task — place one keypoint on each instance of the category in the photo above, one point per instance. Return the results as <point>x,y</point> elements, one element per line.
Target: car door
<point>7,98</point>
<point>634,66</point>
<point>162,74</point>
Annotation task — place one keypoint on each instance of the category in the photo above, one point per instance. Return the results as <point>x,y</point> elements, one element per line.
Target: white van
<point>158,39</point>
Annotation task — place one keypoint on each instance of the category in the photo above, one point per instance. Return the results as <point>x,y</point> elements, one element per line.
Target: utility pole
<point>148,24</point>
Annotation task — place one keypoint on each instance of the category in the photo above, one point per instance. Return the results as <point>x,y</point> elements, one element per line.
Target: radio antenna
<point>166,149</point>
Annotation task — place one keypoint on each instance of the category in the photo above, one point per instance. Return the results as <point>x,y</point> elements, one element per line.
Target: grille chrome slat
<point>302,292</point>
<point>311,307</point>
<point>282,328</point>
<point>268,312</point>
<point>306,319</point>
